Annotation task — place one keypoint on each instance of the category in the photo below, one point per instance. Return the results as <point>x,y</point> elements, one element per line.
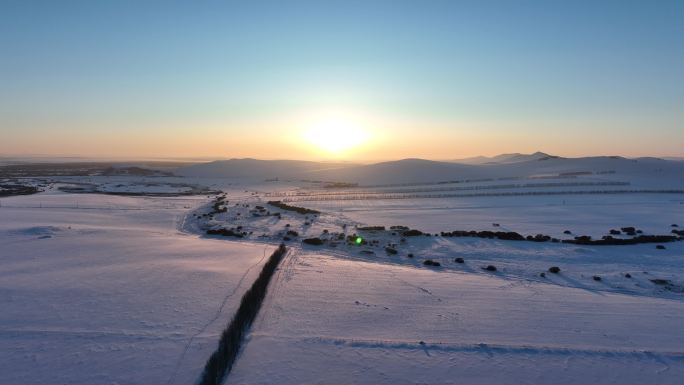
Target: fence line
<point>472,195</point>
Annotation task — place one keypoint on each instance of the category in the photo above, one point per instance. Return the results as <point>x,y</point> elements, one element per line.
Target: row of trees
<point>222,360</point>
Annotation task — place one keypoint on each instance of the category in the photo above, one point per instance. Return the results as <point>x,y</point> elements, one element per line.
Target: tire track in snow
<point>283,275</point>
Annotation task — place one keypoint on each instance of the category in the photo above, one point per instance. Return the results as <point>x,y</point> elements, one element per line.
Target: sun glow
<point>335,136</point>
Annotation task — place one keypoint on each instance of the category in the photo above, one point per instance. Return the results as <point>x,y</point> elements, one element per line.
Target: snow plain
<point>334,321</point>
<point>98,289</point>
<point>101,289</point>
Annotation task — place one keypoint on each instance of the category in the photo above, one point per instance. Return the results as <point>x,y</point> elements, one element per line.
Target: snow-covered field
<point>104,289</point>
<point>591,215</point>
<point>97,289</point>
<point>334,321</point>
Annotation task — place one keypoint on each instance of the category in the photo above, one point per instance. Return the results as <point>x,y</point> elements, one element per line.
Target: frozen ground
<point>330,320</point>
<point>98,289</point>
<point>582,214</point>
<point>103,289</point>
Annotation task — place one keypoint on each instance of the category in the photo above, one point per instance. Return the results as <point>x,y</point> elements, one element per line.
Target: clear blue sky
<point>224,78</point>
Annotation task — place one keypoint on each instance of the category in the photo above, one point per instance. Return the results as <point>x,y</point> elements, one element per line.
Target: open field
<point>99,290</point>
<point>360,322</point>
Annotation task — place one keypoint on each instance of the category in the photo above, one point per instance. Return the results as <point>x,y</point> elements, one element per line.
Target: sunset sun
<point>335,136</point>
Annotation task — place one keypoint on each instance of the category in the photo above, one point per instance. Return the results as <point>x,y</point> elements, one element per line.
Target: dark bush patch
<point>608,240</point>
<point>596,278</point>
<point>459,260</point>
<point>627,275</point>
<point>391,251</point>
<point>542,274</point>
<point>372,228</point>
<point>661,282</point>
<point>678,232</point>
<point>541,238</point>
<point>410,255</point>
<point>567,232</point>
<point>675,225</point>
<point>503,235</point>
<point>554,269</point>
<point>286,239</point>
<point>285,206</point>
<point>224,232</point>
<point>292,233</point>
<point>489,268</point>
<point>615,232</point>
<point>632,231</point>
<point>313,241</point>
<point>660,247</point>
<point>412,233</point>
<point>430,262</point>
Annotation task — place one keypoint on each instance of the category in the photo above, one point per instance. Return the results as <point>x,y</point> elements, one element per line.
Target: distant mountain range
<point>504,166</point>
<point>505,158</point>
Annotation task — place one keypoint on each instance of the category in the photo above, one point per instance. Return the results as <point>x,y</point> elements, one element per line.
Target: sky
<point>343,80</point>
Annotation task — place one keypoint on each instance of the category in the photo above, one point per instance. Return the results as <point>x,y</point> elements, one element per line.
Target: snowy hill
<point>255,168</point>
<point>505,158</point>
<point>652,170</point>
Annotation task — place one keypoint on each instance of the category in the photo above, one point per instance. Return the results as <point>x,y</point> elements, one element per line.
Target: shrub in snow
<point>629,230</point>
<point>490,268</point>
<point>430,262</point>
<point>542,274</point>
<point>567,232</point>
<point>627,275</point>
<point>412,233</point>
<point>390,250</point>
<point>675,225</point>
<point>313,241</point>
<point>660,247</point>
<point>615,232</point>
<point>410,255</point>
<point>554,269</point>
<point>224,232</point>
<point>372,228</point>
<point>459,260</point>
<point>596,278</point>
<point>284,206</point>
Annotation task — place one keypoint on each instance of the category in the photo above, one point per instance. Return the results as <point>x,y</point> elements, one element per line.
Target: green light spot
<point>358,240</point>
